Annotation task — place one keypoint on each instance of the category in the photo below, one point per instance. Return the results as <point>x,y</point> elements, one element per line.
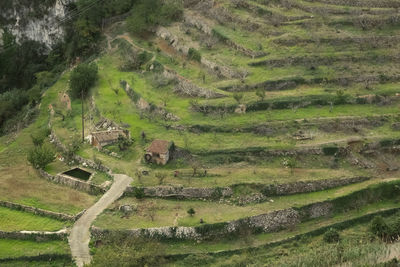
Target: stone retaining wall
<point>35,235</point>
<point>73,183</point>
<point>41,212</point>
<point>265,223</point>
<point>227,192</point>
<point>182,192</point>
<point>308,186</point>
<point>270,222</point>
<point>84,162</point>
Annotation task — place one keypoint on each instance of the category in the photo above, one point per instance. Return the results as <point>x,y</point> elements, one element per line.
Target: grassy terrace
<point>182,247</point>
<point>17,248</point>
<point>13,220</point>
<point>159,212</point>
<point>20,183</point>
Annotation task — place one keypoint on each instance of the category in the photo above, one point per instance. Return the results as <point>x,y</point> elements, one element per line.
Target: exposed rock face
<point>23,21</point>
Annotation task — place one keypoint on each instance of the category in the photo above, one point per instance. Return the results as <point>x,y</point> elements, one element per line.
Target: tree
<point>194,54</point>
<point>39,137</point>
<point>291,163</point>
<point>123,143</point>
<point>161,177</point>
<point>331,236</point>
<point>260,93</point>
<point>40,156</point>
<point>191,212</point>
<point>238,97</point>
<point>150,13</point>
<point>82,79</point>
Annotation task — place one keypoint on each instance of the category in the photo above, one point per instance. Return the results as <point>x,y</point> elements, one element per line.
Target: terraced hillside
<point>285,120</point>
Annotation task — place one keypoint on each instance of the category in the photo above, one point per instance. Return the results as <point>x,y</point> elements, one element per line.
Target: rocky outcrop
<point>40,212</point>
<point>183,192</point>
<point>41,22</point>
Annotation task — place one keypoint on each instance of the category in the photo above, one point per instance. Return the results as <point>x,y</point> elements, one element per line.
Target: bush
<point>191,212</point>
<point>331,236</point>
<point>150,13</point>
<point>330,150</point>
<point>379,227</point>
<point>138,192</point>
<point>39,137</point>
<point>82,78</point>
<point>40,156</point>
<point>194,54</point>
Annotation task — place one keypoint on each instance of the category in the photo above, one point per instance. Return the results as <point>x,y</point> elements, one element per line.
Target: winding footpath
<point>80,232</point>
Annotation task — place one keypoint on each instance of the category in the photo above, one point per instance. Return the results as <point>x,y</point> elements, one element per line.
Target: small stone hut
<point>159,152</point>
<point>104,138</point>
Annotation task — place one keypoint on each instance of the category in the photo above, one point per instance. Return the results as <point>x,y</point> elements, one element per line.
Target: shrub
<point>194,54</point>
<point>260,93</point>
<point>331,236</point>
<point>82,78</point>
<point>39,137</point>
<point>191,212</point>
<point>40,156</point>
<point>238,97</point>
<point>138,192</point>
<point>379,227</point>
<point>330,150</point>
<point>150,13</point>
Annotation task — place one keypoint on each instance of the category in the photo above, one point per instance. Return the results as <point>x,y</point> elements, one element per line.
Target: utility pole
<point>83,121</point>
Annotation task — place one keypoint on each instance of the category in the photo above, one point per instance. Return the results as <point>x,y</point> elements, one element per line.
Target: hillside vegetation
<point>284,115</point>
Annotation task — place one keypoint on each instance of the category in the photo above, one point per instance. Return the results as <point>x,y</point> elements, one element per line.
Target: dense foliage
<point>150,13</point>
<point>82,78</point>
<point>40,156</point>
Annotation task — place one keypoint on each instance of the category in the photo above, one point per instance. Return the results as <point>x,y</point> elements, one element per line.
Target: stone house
<point>159,152</point>
<point>104,138</point>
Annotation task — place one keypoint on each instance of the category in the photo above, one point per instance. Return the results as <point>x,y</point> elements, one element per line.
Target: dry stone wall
<point>183,192</point>
<point>40,212</point>
<point>84,162</point>
<point>309,186</point>
<point>73,183</point>
<point>270,222</point>
<point>35,235</point>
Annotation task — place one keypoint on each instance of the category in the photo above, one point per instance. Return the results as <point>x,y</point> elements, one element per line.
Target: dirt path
<point>80,235</point>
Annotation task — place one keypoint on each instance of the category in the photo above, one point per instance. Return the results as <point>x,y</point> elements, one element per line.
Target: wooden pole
<point>83,121</point>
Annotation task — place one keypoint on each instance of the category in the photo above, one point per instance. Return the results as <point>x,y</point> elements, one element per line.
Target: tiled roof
<point>108,136</point>
<point>159,146</point>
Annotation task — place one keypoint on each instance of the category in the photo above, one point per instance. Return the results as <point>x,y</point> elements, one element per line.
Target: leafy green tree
<point>40,156</point>
<point>191,212</point>
<point>260,93</point>
<point>82,79</point>
<point>238,97</point>
<point>331,236</point>
<point>194,54</point>
<point>150,13</point>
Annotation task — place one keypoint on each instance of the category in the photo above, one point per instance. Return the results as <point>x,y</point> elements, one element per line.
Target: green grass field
<point>18,248</point>
<point>12,220</point>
